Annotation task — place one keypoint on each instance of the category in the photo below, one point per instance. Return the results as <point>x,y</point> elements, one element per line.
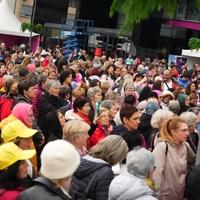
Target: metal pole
<point>33,12</point>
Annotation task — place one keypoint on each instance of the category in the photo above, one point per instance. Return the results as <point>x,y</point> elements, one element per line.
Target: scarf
<point>84,117</point>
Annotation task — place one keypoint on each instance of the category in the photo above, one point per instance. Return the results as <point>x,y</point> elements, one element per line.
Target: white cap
<point>59,159</point>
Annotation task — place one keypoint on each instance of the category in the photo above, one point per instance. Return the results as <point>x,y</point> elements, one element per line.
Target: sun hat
<point>59,159</point>
<point>11,153</point>
<point>15,129</point>
<point>167,93</point>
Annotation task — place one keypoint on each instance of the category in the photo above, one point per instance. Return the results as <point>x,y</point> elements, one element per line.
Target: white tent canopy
<point>191,53</point>
<point>193,56</point>
<point>9,24</point>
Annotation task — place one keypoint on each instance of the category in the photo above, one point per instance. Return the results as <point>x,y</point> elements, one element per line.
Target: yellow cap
<point>11,153</point>
<point>7,120</point>
<point>16,129</point>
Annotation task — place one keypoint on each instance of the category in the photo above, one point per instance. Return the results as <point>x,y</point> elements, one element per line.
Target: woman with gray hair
<point>157,120</point>
<point>49,101</point>
<point>136,182</point>
<point>193,137</point>
<point>94,175</point>
<point>112,107</point>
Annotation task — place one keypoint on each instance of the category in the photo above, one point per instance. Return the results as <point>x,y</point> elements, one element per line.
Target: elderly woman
<point>49,101</point>
<point>56,171</point>
<point>112,107</point>
<point>94,95</point>
<point>94,175</point>
<point>157,120</point>
<point>76,132</point>
<point>173,156</point>
<point>174,106</point>
<point>193,137</point>
<point>81,111</point>
<point>136,183</point>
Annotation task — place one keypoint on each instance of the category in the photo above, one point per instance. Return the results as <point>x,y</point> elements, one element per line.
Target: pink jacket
<point>171,169</point>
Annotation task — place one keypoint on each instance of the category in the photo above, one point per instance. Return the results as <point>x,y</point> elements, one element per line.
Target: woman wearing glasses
<point>172,159</point>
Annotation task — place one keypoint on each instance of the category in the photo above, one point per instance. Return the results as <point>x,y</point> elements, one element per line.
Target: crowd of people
<point>97,127</point>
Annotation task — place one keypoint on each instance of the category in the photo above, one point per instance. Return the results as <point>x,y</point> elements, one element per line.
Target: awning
<point>194,25</point>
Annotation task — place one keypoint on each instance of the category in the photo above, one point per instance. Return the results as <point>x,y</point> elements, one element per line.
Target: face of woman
<point>110,70</point>
<point>85,109</point>
<point>22,170</point>
<point>10,67</point>
<point>30,93</point>
<point>193,88</point>
<point>104,118</point>
<point>54,91</point>
<point>3,69</point>
<point>98,97</point>
<point>13,89</point>
<point>113,110</point>
<point>25,143</point>
<point>180,134</point>
<point>61,119</point>
<point>68,80</point>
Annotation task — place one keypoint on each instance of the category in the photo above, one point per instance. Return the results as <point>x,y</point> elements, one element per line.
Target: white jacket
<point>128,187</point>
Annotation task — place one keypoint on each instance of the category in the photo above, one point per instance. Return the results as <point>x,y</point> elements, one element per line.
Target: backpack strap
<point>166,148</point>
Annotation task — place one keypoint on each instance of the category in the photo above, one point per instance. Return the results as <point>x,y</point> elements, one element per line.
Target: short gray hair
<point>112,149</point>
<point>108,104</point>
<point>174,106</point>
<point>92,91</point>
<point>139,162</point>
<point>189,117</point>
<point>160,115</point>
<point>52,83</point>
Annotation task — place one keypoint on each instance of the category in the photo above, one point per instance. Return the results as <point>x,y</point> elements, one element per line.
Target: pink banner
<point>184,24</point>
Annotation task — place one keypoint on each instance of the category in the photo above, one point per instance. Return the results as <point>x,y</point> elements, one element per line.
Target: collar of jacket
<point>47,183</point>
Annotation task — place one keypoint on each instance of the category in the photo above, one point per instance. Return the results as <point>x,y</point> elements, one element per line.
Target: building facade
<point>23,9</point>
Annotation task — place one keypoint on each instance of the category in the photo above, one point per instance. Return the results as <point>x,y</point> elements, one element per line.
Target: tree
<point>136,10</point>
<point>36,28</point>
<point>194,43</point>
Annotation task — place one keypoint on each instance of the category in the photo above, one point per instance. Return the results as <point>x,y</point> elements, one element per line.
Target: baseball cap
<point>11,153</point>
<point>16,129</point>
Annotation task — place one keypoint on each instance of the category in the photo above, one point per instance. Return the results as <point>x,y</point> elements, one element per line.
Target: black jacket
<point>43,189</point>
<point>47,104</point>
<point>133,138</point>
<point>193,184</point>
<point>91,180</point>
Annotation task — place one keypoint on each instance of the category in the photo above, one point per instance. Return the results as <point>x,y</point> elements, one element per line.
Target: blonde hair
<point>112,149</point>
<point>74,127</point>
<point>169,125</point>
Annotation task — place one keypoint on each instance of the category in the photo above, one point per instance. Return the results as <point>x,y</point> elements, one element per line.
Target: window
<point>26,10</point>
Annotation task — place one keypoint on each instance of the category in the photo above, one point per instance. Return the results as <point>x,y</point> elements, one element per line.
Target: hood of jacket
<point>89,165</point>
<point>126,186</point>
<point>119,130</point>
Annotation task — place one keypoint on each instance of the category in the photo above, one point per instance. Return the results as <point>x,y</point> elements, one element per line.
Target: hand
<point>96,119</point>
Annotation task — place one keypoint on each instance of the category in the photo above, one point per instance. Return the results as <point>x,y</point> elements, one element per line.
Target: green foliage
<point>36,28</point>
<point>194,43</point>
<point>24,26</point>
<point>136,10</point>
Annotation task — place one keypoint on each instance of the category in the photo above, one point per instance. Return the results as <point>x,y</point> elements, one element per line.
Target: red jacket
<point>98,135</point>
<point>10,194</point>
